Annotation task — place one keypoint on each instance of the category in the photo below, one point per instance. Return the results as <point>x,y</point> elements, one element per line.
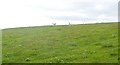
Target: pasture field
<point>83,43</point>
<point>0,46</point>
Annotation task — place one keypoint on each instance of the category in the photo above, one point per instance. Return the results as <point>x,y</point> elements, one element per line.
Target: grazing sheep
<point>54,24</point>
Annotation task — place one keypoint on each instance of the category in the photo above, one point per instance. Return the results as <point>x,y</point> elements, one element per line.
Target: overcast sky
<point>21,13</point>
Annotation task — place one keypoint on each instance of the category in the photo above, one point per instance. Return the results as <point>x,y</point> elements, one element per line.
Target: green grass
<point>0,47</point>
<point>88,43</point>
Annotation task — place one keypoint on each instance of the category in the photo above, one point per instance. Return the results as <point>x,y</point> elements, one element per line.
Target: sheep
<point>54,24</point>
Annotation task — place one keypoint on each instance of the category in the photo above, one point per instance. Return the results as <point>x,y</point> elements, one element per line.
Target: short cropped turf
<point>83,43</point>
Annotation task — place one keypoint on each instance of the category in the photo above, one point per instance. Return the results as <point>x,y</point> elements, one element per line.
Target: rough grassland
<point>88,43</point>
<point>0,47</point>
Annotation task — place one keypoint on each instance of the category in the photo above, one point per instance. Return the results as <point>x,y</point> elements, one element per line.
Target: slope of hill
<point>0,46</point>
<point>88,43</point>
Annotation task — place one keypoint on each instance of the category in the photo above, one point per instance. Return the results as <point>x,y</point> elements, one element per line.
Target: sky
<point>24,13</point>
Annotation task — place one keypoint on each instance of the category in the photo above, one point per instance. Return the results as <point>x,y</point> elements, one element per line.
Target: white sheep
<point>54,24</point>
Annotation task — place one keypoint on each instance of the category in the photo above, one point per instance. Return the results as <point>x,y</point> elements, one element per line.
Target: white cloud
<point>99,7</point>
<point>20,13</point>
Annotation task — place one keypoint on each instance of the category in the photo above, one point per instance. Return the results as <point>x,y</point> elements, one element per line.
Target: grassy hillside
<point>0,46</point>
<point>88,43</point>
